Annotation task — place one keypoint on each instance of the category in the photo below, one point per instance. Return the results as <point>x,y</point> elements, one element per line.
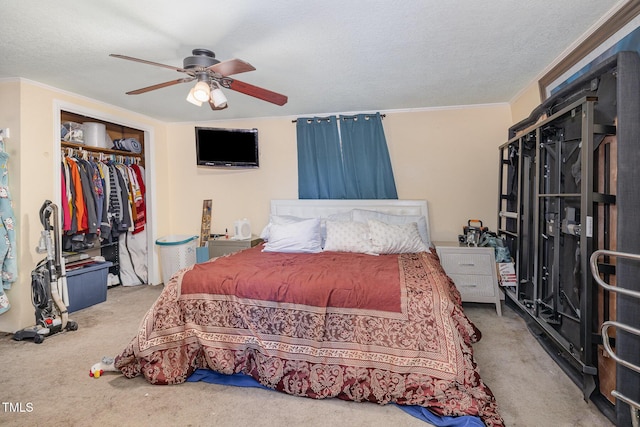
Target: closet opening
<point>105,194</point>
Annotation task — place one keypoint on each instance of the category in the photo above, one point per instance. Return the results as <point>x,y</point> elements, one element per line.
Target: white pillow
<point>280,220</point>
<point>363,215</point>
<point>348,236</point>
<point>395,238</point>
<point>295,237</point>
<point>289,219</point>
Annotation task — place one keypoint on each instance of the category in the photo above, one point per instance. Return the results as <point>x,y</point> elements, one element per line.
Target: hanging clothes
<point>124,196</point>
<point>116,210</point>
<point>79,219</point>
<point>132,249</point>
<point>86,178</point>
<point>105,224</point>
<point>8,248</point>
<point>105,204</point>
<point>98,192</point>
<point>141,209</point>
<point>66,212</point>
<point>132,243</point>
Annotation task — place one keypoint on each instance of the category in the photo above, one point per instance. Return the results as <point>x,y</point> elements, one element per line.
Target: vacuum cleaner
<point>48,283</point>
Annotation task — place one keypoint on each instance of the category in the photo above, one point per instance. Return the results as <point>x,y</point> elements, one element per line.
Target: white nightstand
<point>219,247</point>
<point>473,270</point>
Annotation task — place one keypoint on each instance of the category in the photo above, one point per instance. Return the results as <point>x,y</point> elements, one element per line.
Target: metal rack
<point>515,206</point>
<point>548,218</point>
<point>634,405</point>
<point>574,193</point>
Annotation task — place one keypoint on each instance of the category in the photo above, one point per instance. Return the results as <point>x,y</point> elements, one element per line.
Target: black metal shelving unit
<point>568,187</point>
<point>548,203</point>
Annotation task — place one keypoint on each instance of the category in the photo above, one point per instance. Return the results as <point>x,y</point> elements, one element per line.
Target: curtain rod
<point>381,115</point>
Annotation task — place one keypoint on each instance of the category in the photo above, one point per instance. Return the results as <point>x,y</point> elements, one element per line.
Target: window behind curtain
<point>320,168</point>
<point>350,163</point>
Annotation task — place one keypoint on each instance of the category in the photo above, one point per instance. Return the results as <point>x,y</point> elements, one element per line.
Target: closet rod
<point>106,151</point>
<point>120,158</point>
<point>381,115</point>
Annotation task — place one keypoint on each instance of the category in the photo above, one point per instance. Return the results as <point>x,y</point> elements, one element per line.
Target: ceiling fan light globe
<point>201,91</point>
<point>218,98</point>
<point>192,99</point>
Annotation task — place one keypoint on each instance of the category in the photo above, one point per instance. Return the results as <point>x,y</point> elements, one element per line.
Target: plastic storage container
<point>87,286</point>
<point>95,134</point>
<point>176,253</point>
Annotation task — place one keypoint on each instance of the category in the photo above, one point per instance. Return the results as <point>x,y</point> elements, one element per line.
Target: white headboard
<point>308,208</point>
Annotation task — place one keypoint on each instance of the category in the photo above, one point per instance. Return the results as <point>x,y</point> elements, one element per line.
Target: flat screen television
<point>227,148</point>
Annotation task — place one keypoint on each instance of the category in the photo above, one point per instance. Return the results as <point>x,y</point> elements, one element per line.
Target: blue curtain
<point>320,168</point>
<point>367,165</point>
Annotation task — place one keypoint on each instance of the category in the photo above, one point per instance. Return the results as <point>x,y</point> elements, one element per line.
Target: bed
<point>345,299</point>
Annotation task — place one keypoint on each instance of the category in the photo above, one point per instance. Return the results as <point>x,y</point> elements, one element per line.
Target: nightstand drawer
<point>221,247</point>
<point>473,270</point>
<point>471,286</point>
<point>472,262</point>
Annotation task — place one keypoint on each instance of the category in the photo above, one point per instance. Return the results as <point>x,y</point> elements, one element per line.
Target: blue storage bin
<point>87,286</point>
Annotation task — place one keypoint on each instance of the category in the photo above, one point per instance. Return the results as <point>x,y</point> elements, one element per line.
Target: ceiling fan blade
<point>160,85</point>
<point>255,91</point>
<point>144,61</point>
<point>231,66</point>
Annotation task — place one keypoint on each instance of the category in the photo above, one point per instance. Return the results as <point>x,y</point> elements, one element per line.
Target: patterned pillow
<point>363,215</point>
<point>395,238</point>
<point>348,236</point>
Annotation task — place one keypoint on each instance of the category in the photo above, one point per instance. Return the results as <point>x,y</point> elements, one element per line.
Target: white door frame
<point>149,171</point>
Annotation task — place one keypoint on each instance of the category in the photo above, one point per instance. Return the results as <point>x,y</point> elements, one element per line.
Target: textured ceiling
<point>327,57</point>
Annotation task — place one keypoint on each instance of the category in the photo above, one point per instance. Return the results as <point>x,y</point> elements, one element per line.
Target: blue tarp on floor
<point>241,380</point>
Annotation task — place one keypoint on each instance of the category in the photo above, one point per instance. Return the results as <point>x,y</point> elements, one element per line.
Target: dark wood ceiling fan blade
<point>255,91</point>
<point>231,66</point>
<point>160,85</point>
<point>144,61</point>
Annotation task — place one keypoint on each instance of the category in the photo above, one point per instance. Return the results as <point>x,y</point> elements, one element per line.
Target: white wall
<point>446,156</point>
<point>526,100</point>
<point>29,109</point>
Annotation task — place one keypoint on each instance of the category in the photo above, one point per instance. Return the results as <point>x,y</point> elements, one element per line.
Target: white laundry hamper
<point>176,252</point>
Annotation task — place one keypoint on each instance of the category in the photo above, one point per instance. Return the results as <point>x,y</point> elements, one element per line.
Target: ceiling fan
<point>210,74</point>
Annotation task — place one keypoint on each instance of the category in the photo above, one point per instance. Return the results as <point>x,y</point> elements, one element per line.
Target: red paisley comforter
<point>386,328</point>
